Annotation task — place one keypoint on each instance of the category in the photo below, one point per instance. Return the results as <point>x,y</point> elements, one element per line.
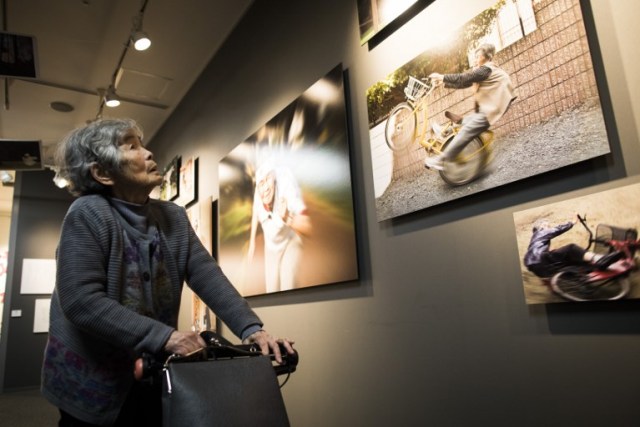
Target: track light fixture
<point>140,40</point>
<point>110,98</point>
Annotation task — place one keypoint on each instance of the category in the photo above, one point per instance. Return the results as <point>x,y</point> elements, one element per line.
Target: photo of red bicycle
<point>589,281</point>
<point>581,249</point>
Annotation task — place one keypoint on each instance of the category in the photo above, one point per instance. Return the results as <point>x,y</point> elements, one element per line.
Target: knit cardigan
<point>93,339</point>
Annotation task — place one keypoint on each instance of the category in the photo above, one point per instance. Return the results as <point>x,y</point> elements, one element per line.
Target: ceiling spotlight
<point>110,98</point>
<point>141,41</point>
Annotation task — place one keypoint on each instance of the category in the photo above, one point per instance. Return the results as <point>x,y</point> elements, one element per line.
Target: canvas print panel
<point>202,220</point>
<point>169,189</point>
<point>188,182</point>
<point>556,119</point>
<point>374,15</point>
<point>286,207</point>
<point>562,262</point>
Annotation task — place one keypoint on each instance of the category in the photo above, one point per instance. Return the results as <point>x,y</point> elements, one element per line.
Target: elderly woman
<point>121,263</point>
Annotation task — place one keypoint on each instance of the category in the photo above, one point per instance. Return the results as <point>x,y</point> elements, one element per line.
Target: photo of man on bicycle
<point>493,95</point>
<point>452,107</point>
<point>581,249</point>
<point>544,262</point>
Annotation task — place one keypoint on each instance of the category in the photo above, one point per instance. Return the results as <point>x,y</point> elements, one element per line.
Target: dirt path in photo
<point>572,137</point>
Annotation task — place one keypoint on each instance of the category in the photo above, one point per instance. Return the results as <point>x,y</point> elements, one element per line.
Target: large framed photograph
<point>374,16</point>
<point>535,51</point>
<point>581,249</point>
<point>285,204</point>
<point>203,222</point>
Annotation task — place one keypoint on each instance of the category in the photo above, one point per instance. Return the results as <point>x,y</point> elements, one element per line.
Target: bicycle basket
<point>415,89</point>
<point>606,232</point>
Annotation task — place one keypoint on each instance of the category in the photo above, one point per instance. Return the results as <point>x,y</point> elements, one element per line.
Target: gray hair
<point>95,143</point>
<point>487,49</point>
<point>541,224</point>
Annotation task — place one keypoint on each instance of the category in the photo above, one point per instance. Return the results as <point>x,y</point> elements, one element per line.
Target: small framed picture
<point>170,187</point>
<point>188,182</point>
<point>581,249</point>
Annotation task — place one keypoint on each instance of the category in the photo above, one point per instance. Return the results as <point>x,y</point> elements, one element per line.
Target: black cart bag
<point>224,385</point>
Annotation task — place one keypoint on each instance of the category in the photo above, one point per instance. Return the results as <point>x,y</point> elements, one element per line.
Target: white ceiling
<point>79,44</point>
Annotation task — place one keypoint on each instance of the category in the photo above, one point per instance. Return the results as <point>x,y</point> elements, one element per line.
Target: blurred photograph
<point>286,203</point>
<point>582,249</point>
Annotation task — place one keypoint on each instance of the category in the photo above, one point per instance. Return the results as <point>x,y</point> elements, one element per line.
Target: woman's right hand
<point>183,343</point>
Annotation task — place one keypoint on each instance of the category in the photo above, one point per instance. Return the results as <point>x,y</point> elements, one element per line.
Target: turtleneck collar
<point>134,214</point>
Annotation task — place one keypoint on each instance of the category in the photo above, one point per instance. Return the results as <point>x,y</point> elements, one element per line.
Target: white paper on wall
<point>41,316</point>
<point>38,276</point>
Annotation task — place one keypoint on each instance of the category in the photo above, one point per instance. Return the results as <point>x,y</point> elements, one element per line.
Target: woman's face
<point>267,188</point>
<point>138,173</point>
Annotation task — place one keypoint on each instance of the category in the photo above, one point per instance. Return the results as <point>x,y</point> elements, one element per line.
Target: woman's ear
<point>100,175</point>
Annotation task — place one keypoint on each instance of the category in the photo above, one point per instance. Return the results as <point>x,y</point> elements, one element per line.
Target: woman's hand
<point>183,343</point>
<point>266,342</point>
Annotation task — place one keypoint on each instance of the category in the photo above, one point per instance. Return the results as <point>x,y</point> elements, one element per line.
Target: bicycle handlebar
<point>613,244</point>
<point>583,221</point>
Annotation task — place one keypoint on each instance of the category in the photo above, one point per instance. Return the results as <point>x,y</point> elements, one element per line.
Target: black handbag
<point>223,386</point>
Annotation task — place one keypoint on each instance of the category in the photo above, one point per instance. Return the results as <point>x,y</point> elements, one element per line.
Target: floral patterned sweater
<point>120,270</point>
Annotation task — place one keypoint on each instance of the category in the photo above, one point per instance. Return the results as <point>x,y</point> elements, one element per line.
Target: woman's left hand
<point>269,344</point>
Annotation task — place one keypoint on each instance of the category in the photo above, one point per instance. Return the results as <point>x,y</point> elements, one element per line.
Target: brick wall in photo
<point>551,70</point>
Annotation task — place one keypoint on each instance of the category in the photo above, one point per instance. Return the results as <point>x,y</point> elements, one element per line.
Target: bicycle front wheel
<point>467,166</point>
<point>400,129</point>
<point>576,286</point>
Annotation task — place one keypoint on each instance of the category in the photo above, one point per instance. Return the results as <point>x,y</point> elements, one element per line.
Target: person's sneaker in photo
<point>434,163</point>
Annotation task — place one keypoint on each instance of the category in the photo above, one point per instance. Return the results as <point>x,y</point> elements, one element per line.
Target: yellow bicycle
<point>408,122</point>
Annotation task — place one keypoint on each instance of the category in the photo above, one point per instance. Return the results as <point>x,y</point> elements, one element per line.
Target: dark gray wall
<point>38,209</point>
<point>436,331</point>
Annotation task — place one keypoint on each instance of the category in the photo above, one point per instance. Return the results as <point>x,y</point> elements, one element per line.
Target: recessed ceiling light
<point>62,107</point>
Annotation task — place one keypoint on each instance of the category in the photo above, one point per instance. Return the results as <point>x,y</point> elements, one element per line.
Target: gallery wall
<point>38,209</point>
<point>436,331</point>
<point>5,223</point>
